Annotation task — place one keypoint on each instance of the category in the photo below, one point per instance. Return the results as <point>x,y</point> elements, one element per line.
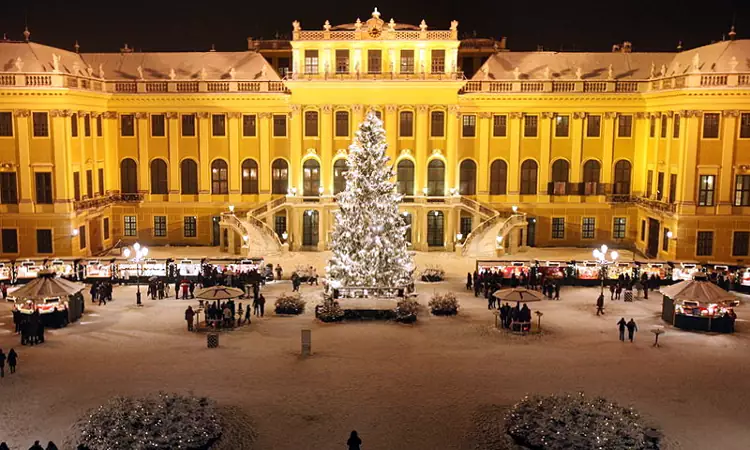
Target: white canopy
<point>698,291</point>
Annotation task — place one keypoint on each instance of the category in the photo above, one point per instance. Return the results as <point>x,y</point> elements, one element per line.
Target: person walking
<point>632,328</point>
<point>611,291</point>
<point>557,291</point>
<point>468,281</point>
<point>51,446</point>
<point>354,442</point>
<point>189,314</point>
<point>262,304</point>
<point>618,291</point>
<point>4,446</point>
<point>621,326</point>
<point>36,446</point>
<point>239,315</point>
<point>279,272</point>
<point>600,305</point>
<point>2,364</point>
<point>12,360</point>
<point>247,315</point>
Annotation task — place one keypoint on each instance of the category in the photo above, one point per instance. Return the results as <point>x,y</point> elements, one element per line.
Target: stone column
<point>234,132</point>
<point>204,161</point>
<point>577,148</point>
<point>111,160</point>
<point>143,157</point>
<point>62,176</point>
<point>608,141</point>
<point>173,136</point>
<point>640,165</point>
<point>25,179</point>
<point>96,152</point>
<point>357,118</point>
<point>326,149</point>
<point>726,179</point>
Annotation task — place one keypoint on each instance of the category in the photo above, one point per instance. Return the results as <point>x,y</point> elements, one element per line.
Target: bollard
<point>306,342</point>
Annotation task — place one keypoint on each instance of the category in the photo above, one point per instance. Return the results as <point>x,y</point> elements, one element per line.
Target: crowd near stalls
<point>699,304</point>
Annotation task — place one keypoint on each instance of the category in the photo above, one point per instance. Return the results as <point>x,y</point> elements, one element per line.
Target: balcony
<point>379,76</point>
<point>98,202</point>
<point>652,204</point>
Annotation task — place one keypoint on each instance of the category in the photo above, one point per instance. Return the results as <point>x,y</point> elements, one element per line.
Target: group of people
<point>158,289</point>
<point>515,318</point>
<point>226,315</point>
<point>30,326</point>
<point>37,446</point>
<point>11,358</point>
<point>631,327</point>
<point>311,277</point>
<point>102,291</point>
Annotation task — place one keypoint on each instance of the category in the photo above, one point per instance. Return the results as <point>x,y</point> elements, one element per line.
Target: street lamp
<point>600,255</point>
<point>139,254</point>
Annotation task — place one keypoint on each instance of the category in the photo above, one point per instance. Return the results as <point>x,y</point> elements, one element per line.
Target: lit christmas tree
<point>369,236</point>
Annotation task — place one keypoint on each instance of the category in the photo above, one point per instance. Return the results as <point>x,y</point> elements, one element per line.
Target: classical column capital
<point>610,115</point>
<point>391,108</point>
<point>640,115</point>
<point>141,115</point>
<point>579,115</point>
<point>731,113</point>
<point>357,108</point>
<point>423,108</point>
<point>96,114</point>
<point>109,115</point>
<point>547,115</point>
<point>172,115</point>
<point>326,108</point>
<point>234,114</point>
<point>82,113</point>
<point>485,115</point>
<point>453,109</point>
<point>670,114</point>
<point>295,109</point>
<point>24,112</point>
<point>265,115</point>
<point>516,115</point>
<point>203,115</point>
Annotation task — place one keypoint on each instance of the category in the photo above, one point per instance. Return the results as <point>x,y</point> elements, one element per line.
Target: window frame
<point>746,243</point>
<point>533,182</point>
<point>276,182</point>
<point>17,245</point>
<point>342,68</point>
<point>706,195</point>
<point>218,125</point>
<point>249,184</point>
<point>495,125</point>
<point>401,119</point>
<point>621,128</point>
<point>159,177</point>
<point>676,126</point>
<point>338,127</point>
<point>557,228</point>
<point>7,127</point>
<point>189,227</point>
<point>588,228</point>
<point>527,121</point>
<point>311,124</point>
<point>705,124</point>
<point>619,227</point>
<point>48,196</point>
<point>249,125</point>
<point>744,126</point>
<point>51,243</point>
<point>437,60</point>
<point>590,129</point>
<point>441,121</point>
<point>433,227</point>
<point>9,188</point>
<point>130,225</point>
<point>742,190</point>
<point>311,62</point>
<point>160,226</point>
<point>127,118</point>
<point>467,186</point>
<point>405,182</point>
<point>276,127</point>
<point>40,130</point>
<point>704,248</point>
<point>374,60</point>
<point>192,178</point>
<point>154,124</point>
<point>469,123</point>
<point>664,126</point>
<point>191,119</point>
<point>405,61</point>
<point>74,125</point>
<point>562,126</point>
<point>495,185</point>
<point>219,177</point>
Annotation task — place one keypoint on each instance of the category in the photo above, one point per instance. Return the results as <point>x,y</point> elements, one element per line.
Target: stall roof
<point>699,291</point>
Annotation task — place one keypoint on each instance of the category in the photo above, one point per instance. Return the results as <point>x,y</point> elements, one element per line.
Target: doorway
<point>310,228</point>
<point>215,231</point>
<point>95,235</point>
<point>653,238</point>
<point>531,232</point>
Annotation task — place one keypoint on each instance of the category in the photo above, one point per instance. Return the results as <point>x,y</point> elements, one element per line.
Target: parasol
<point>218,293</point>
<point>517,295</point>
<point>47,285</point>
<point>699,289</point>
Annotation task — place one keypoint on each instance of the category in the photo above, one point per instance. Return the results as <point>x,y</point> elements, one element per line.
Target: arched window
<point>310,178</point>
<point>219,177</point>
<point>249,176</point>
<point>405,176</point>
<point>159,177</point>
<point>591,172</point>
<point>528,177</point>
<point>339,178</point>
<point>436,178</point>
<point>468,178</point>
<point>189,177</point>
<point>128,177</point>
<point>279,177</point>
<point>498,177</point>
<point>622,178</point>
<point>560,171</point>
<point>435,228</point>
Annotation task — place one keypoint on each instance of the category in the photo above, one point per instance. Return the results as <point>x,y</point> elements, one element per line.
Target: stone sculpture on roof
<point>139,69</point>
<point>101,71</point>
<point>610,72</point>
<point>172,74</point>
<point>19,64</point>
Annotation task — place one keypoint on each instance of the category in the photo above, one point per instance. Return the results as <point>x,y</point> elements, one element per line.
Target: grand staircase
<point>483,240</point>
<point>258,239</point>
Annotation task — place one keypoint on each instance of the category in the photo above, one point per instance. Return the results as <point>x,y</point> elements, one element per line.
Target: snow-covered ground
<point>400,386</point>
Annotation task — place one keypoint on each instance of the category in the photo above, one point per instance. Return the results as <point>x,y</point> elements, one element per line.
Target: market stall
<point>189,268</point>
<point>147,269</point>
<point>722,274</point>
<point>97,270</point>
<point>700,305</point>
<point>588,273</point>
<point>658,269</point>
<point>684,271</point>
<point>64,269</point>
<point>620,268</point>
<point>28,270</point>
<point>552,270</point>
<point>57,301</point>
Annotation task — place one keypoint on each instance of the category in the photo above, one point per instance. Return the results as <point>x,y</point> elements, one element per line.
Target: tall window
<point>498,177</point>
<point>562,124</point>
<point>406,124</point>
<point>249,177</point>
<point>436,178</point>
<point>652,126</point>
<point>279,125</point>
<point>706,190</point>
<point>672,187</point>
<point>44,241</point>
<point>742,190</point>
<point>665,240</point>
<point>405,176</point>
<point>249,125</point>
<point>560,174</point>
<point>89,183</point>
<point>76,186</point>
<point>158,125</point>
<point>618,227</point>
<point>593,126</point>
<point>339,178</point>
<point>374,61</point>
<point>710,125</point>
<point>190,226</point>
<point>130,226</point>
<point>87,125</point>
<point>705,243</point>
<point>663,126</point>
<point>82,237</point>
<point>588,227</point>
<point>528,177</point>
<point>622,178</point>
<point>10,240</point>
<point>624,126</point>
<point>283,67</point>
<point>311,123</point>
<point>744,125</point>
<point>43,181</point>
<point>437,124</point>
<point>128,176</point>
<point>310,178</point>
<point>105,228</point>
<point>407,61</point>
<point>676,126</point>
<point>311,62</point>
<point>468,177</point>
<point>189,177</point>
<point>159,184</point>
<point>469,125</point>
<point>530,125</point>
<point>649,183</point>
<point>218,124</point>
<point>40,124</point>
<point>100,180</point>
<point>342,124</point>
<point>741,243</point>
<point>160,226</point>
<point>438,61</point>
<point>435,229</point>
<point>127,125</point>
<point>342,61</point>
<point>591,172</point>
<point>659,185</point>
<point>99,125</point>
<point>499,126</point>
<point>188,125</point>
<point>6,124</point>
<point>279,177</point>
<point>558,228</point>
<point>279,224</point>
<point>219,177</point>
<point>74,125</point>
<point>8,188</point>
<point>310,224</point>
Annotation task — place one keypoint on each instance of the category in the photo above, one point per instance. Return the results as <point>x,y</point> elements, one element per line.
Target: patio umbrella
<point>218,293</point>
<point>699,290</point>
<point>47,285</point>
<point>517,295</point>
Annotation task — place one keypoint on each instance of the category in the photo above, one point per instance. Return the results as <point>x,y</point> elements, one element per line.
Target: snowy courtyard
<point>421,386</point>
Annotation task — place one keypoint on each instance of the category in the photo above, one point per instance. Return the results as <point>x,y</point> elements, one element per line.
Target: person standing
<point>239,314</point>
<point>189,314</point>
<point>468,281</point>
<point>279,272</point>
<point>632,328</point>
<point>600,305</point>
<point>618,291</point>
<point>354,442</point>
<point>2,364</point>
<point>4,290</point>
<point>557,291</point>
<point>12,360</point>
<point>612,291</point>
<point>262,304</point>
<point>621,326</point>
<point>36,446</point>
<point>51,446</point>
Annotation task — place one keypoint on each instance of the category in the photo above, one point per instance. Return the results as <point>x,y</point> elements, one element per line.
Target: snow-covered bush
<point>406,310</point>
<point>443,304</point>
<point>155,422</point>
<point>573,421</point>
<point>330,311</point>
<point>433,273</point>
<point>290,304</point>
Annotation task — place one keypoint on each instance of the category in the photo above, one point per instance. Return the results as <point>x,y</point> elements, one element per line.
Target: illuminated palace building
<point>246,149</point>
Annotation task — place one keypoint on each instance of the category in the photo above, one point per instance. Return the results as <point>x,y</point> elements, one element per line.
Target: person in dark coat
<point>611,291</point>
<point>40,333</point>
<point>189,314</point>
<point>632,328</point>
<point>2,364</point>
<point>247,314</point>
<point>600,305</point>
<point>354,442</point>
<point>468,281</point>
<point>262,305</point>
<point>621,326</point>
<point>51,446</point>
<point>17,320</point>
<point>4,290</point>
<point>4,446</point>
<point>12,360</point>
<point>557,291</point>
<point>36,446</point>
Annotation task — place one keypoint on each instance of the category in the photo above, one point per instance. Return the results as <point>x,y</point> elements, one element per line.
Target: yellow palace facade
<point>246,150</point>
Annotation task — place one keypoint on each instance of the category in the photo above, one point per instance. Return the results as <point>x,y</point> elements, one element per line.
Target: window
<point>706,190</point>
<point>624,126</point>
<point>498,177</point>
<point>189,177</point>
<point>77,186</point>
<point>310,224</point>
<point>128,176</point>
<point>663,126</point>
<point>558,228</point>
<point>43,187</point>
<point>643,230</point>
<point>405,176</point>
<point>89,183</point>
<point>406,124</point>
<point>438,61</point>
<point>131,226</point>
<point>101,181</point>
<point>435,231</point>
<point>249,177</point>
<point>99,125</point>
<point>468,177</point>
<point>705,243</point>
<point>342,124</point>
<point>157,125</point>
<point>279,125</point>
<point>437,124</point>
<point>676,126</point>
<point>74,125</point>
<point>560,173</point>
<point>82,237</point>
<point>652,126</point>
<point>407,61</point>
<point>10,240</point>
<point>622,178</point>
<point>660,186</point>
<point>310,178</point>
<point>741,243</point>
<point>160,226</point>
<point>6,124</point>
<point>218,125</point>
<point>44,241</point>
<point>283,67</point>
<point>342,61</point>
<point>591,172</point>
<point>105,226</point>
<point>665,240</point>
<point>744,126</point>
<point>593,126</point>
<point>339,178</point>
<point>528,177</point>
<point>436,178</point>
<point>618,227</point>
<point>40,124</point>
<point>465,226</point>
<point>87,125</point>
<point>499,126</point>
<point>248,125</point>
<point>189,227</point>
<point>588,227</point>
<point>672,187</point>
<point>188,125</point>
<point>562,124</point>
<point>279,225</point>
<point>649,183</point>
<point>469,125</point>
<point>219,177</point>
<point>279,177</point>
<point>311,123</point>
<point>159,184</point>
<point>311,61</point>
<point>8,188</point>
<point>710,125</point>
<point>742,190</point>
<point>127,125</point>
<point>374,61</point>
<point>530,126</point>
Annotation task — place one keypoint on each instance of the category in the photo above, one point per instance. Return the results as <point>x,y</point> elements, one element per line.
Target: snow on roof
<point>37,58</point>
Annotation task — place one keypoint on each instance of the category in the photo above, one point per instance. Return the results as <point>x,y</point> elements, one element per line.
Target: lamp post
<point>139,254</point>
<point>600,254</point>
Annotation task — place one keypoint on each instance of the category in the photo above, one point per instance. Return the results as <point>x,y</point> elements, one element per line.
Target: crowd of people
<point>30,326</point>
<point>102,291</point>
<point>515,318</point>
<point>37,446</point>
<point>487,282</point>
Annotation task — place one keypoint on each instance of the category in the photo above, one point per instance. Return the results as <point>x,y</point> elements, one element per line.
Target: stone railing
<point>367,76</point>
<point>268,206</point>
<point>98,202</point>
<point>265,229</point>
<point>654,205</point>
<point>391,35</point>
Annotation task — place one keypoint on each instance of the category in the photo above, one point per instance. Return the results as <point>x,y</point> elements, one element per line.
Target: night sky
<point>104,26</point>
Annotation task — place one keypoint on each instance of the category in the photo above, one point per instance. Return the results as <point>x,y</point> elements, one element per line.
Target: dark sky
<point>105,25</point>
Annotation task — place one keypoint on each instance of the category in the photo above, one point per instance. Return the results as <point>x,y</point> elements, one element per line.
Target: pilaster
<point>726,180</point>
<point>326,149</point>
<point>545,150</point>
<point>576,125</point>
<point>142,134</point>
<point>111,159</point>
<point>451,147</point>
<point>25,180</point>
<point>640,165</point>
<point>295,176</point>
<point>173,136</point>
<point>688,169</point>
<point>483,164</point>
<point>608,143</point>
<point>204,163</point>
<point>95,152</point>
<point>264,134</point>
<point>391,131</point>
<point>514,165</point>
<point>421,151</point>
<point>62,178</point>
<point>235,167</point>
